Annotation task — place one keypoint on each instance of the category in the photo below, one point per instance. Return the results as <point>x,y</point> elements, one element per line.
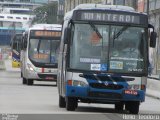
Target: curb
<point>154,78</point>
<point>153,87</point>
<point>153,94</point>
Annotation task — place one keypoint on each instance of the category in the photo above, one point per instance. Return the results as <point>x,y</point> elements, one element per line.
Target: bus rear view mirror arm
<point>67,34</point>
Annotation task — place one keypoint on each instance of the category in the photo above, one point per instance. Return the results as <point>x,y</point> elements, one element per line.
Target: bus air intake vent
<point>108,95</point>
<point>103,86</point>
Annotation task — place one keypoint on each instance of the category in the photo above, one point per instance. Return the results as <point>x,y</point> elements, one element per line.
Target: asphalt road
<point>40,102</point>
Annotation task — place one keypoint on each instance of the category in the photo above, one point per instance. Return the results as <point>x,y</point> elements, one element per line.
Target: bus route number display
<point>109,17</point>
<point>40,56</point>
<point>47,33</point>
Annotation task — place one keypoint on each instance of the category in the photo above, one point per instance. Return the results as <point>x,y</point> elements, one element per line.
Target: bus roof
<point>99,7</point>
<point>46,27</point>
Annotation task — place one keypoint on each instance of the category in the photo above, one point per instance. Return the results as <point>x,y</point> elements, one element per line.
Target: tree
<point>46,13</point>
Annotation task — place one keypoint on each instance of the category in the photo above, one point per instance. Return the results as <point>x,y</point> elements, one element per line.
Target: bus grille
<point>109,95</point>
<point>103,86</point>
<point>43,76</point>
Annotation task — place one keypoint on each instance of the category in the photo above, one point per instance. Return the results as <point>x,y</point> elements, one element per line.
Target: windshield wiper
<point>120,32</point>
<point>95,29</point>
<point>38,46</point>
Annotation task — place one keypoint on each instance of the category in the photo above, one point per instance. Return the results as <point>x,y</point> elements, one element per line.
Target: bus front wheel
<point>132,107</point>
<point>62,103</point>
<point>29,82</point>
<point>24,80</point>
<point>119,106</point>
<point>71,103</point>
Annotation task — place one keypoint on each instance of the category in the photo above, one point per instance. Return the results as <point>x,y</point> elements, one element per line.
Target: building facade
<point>153,10</point>
<point>28,1</point>
<point>154,19</point>
<point>61,7</point>
<point>70,4</point>
<point>15,17</point>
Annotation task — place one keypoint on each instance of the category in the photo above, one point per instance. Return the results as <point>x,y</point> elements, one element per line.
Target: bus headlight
<point>134,87</point>
<point>77,83</point>
<point>30,67</point>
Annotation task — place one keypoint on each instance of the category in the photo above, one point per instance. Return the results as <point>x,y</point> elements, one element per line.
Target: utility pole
<point>147,7</point>
<point>106,2</point>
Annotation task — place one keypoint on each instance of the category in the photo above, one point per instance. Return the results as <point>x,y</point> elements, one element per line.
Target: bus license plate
<point>131,92</point>
<point>49,78</point>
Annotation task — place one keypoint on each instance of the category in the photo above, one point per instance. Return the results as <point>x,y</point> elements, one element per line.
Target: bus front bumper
<point>103,95</point>
<point>41,76</point>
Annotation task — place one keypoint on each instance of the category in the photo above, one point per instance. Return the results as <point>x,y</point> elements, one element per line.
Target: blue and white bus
<point>104,57</point>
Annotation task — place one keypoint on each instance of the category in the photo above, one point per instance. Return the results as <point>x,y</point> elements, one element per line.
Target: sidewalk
<point>153,86</point>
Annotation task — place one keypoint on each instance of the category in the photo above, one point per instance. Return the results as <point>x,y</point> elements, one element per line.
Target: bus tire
<point>29,82</point>
<point>24,81</point>
<point>127,106</point>
<point>119,106</point>
<point>62,103</point>
<point>132,107</point>
<point>71,103</point>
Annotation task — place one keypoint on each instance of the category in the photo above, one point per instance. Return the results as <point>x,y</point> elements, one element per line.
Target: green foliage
<point>46,13</point>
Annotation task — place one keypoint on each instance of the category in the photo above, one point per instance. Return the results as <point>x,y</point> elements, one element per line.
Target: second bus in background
<point>40,52</point>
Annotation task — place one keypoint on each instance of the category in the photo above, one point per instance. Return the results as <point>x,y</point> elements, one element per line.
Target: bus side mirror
<point>67,33</point>
<point>153,39</point>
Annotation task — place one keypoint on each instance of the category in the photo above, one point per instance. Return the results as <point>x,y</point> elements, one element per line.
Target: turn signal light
<point>69,82</point>
<point>143,87</point>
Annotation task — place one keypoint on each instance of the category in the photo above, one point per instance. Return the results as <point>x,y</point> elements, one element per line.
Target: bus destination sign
<point>47,33</point>
<point>110,17</point>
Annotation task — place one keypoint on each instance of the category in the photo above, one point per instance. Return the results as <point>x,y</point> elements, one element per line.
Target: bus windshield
<point>108,48</point>
<point>43,50</point>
